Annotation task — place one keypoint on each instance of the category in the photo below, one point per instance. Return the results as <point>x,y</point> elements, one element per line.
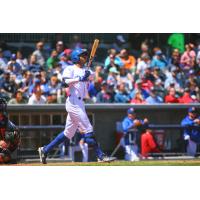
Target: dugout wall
<point>103,118</point>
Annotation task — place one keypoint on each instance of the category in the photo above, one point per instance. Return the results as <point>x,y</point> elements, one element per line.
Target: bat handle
<point>90,62</point>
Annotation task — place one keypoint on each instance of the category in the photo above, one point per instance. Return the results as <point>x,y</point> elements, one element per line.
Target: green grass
<point>195,162</point>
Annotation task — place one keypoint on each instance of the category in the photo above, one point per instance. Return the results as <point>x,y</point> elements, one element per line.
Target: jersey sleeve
<point>68,76</point>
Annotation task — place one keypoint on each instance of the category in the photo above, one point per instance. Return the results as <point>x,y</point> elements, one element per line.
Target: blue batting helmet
<point>76,53</point>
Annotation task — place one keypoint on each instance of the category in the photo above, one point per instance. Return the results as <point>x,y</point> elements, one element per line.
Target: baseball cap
<point>67,52</point>
<point>192,110</point>
<point>158,52</point>
<point>131,111</point>
<point>13,56</point>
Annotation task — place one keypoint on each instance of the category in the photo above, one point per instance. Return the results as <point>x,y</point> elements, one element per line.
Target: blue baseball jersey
<point>130,132</point>
<point>193,132</point>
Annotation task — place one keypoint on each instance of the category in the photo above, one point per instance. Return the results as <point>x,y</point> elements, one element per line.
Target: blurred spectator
<point>159,60</point>
<point>59,47</point>
<point>171,97</point>
<point>191,133</point>
<point>186,98</point>
<point>99,75</point>
<point>40,54</point>
<point>121,95</point>
<point>113,60</point>
<point>13,65</point>
<point>17,99</point>
<point>57,70</point>
<point>175,58</point>
<point>177,41</point>
<point>7,85</point>
<point>94,88</point>
<point>172,80</point>
<point>37,97</point>
<point>54,90</point>
<point>3,61</point>
<point>142,64</point>
<point>129,61</point>
<point>188,58</point>
<point>197,59</point>
<point>65,59</point>
<point>23,62</point>
<point>52,60</point>
<point>138,87</point>
<point>153,98</point>
<point>25,83</point>
<point>103,96</point>
<point>127,78</point>
<point>76,42</point>
<point>144,49</point>
<point>120,43</point>
<point>138,99</point>
<point>33,66</point>
<point>112,78</point>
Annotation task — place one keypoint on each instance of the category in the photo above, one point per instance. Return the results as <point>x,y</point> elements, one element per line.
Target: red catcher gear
<point>148,144</point>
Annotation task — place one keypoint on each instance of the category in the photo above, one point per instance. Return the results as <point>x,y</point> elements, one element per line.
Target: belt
<point>77,97</point>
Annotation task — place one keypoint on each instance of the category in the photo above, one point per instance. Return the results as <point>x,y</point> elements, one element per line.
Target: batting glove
<point>85,76</point>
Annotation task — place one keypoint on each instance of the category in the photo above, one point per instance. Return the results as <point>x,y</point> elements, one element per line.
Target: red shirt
<point>186,98</point>
<point>171,99</point>
<point>148,144</point>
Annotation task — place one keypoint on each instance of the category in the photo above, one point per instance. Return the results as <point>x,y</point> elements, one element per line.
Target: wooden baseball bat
<point>93,51</point>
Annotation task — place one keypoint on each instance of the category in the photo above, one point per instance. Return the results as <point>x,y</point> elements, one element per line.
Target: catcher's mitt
<point>137,123</point>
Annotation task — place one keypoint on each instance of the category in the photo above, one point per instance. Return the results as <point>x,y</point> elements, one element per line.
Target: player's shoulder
<point>69,68</point>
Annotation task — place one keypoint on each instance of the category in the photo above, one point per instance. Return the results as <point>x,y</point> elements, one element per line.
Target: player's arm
<point>126,125</point>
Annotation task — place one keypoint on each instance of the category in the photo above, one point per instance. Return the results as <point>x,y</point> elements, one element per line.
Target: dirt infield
<point>194,162</point>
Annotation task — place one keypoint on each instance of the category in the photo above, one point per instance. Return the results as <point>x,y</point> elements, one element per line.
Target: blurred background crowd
<point>133,68</point>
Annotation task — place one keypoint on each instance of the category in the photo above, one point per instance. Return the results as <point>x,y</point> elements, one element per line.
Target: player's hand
<point>197,121</point>
<point>137,123</point>
<point>85,76</point>
<point>146,121</point>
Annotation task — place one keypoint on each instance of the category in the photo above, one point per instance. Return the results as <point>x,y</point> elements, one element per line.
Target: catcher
<point>132,127</point>
<point>9,135</point>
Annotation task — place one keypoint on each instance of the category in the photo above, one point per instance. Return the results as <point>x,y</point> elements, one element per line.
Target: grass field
<point>195,162</point>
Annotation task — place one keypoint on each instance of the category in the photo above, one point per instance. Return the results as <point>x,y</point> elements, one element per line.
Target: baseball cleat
<point>105,158</point>
<point>42,155</point>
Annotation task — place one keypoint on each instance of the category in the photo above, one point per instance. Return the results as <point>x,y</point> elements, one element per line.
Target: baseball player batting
<point>77,77</point>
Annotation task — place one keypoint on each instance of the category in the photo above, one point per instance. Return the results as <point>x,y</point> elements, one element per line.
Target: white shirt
<point>71,76</point>
<point>32,100</point>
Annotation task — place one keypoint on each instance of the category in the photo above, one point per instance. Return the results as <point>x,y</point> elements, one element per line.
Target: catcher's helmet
<point>76,53</point>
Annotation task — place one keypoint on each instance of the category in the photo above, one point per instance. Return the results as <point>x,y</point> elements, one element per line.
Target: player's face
<point>192,115</point>
<point>83,59</point>
<point>132,116</point>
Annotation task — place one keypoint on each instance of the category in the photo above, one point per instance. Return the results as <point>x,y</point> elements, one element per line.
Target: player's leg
<point>89,138</point>
<point>70,127</point>
<point>191,148</point>
<point>134,152</point>
<point>84,149</point>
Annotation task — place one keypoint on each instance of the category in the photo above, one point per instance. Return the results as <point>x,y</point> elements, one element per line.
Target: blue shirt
<point>159,63</point>
<point>121,98</point>
<point>193,132</point>
<point>130,136</point>
<point>151,100</point>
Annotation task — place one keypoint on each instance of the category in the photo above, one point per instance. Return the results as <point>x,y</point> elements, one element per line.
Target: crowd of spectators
<point>150,78</point>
